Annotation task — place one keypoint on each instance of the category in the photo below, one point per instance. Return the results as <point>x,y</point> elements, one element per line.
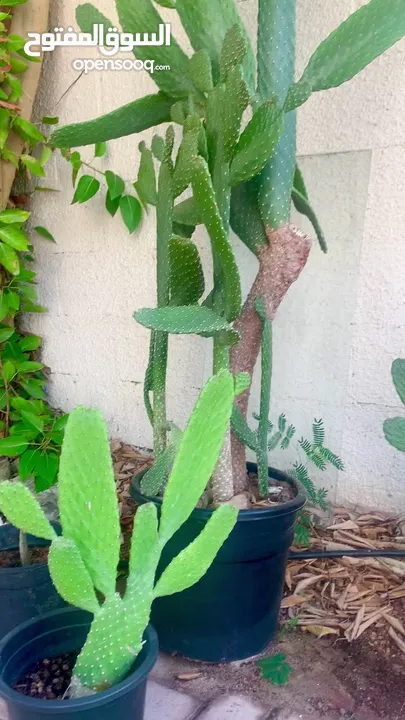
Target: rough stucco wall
<point>342,323</point>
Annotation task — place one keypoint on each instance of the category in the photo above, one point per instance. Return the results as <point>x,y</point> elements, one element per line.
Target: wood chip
<point>395,623</point>
<point>397,640</point>
<point>189,676</point>
<point>293,600</point>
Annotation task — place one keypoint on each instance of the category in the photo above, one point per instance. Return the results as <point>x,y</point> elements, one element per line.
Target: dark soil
<point>285,492</point>
<point>48,679</point>
<point>11,558</point>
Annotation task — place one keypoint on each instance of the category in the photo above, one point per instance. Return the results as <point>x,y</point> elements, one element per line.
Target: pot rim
<point>293,505</point>
<point>32,542</point>
<point>92,701</point>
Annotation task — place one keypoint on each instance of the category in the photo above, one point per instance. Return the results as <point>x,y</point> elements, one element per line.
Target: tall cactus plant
<point>85,558</point>
<point>244,179</point>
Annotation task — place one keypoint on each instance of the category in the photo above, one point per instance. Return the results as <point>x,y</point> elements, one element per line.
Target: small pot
<point>57,633</point>
<point>232,612</point>
<point>25,592</point>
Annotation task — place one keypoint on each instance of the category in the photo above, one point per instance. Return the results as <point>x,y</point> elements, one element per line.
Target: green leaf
<point>23,510</point>
<point>398,376</point>
<point>205,199</point>
<point>394,431</point>
<point>45,155</point>
<point>131,212</point>
<point>186,320</point>
<point>276,669</point>
<point>100,149</point>
<point>87,187</point>
<point>46,466</point>
<point>34,421</point>
<point>5,333</point>
<point>189,566</point>
<point>257,142</point>
<point>87,493</point>
<point>302,206</point>
<point>111,205</point>
<point>171,4</point>
<point>70,576</point>
<point>186,273</point>
<point>12,446</point>
<point>4,306</point>
<point>9,259</point>
<point>29,366</point>
<point>206,429</point>
<point>14,215</point>
<point>13,2</point>
<point>27,463</point>
<point>145,185</point>
<point>8,370</point>
<point>200,71</point>
<point>34,388</point>
<point>14,237</point>
<point>44,233</point>
<point>365,35</point>
<point>116,185</point>
<point>47,120</point>
<point>27,130</point>
<point>135,117</point>
<point>299,182</point>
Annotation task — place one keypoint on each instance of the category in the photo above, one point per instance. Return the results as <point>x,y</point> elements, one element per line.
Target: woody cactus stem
<point>265,391</point>
<point>279,266</point>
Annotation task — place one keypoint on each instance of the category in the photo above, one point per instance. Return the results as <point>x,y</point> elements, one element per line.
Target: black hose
<point>330,554</point>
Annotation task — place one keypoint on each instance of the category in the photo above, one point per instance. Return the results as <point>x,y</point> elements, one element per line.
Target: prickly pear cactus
<point>85,558</point>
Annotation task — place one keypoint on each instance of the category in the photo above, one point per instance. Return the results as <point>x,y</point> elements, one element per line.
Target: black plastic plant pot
<point>232,613</point>
<point>25,592</point>
<point>57,633</point>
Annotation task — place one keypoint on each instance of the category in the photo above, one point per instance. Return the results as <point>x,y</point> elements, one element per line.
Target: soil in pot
<point>11,558</point>
<point>48,679</point>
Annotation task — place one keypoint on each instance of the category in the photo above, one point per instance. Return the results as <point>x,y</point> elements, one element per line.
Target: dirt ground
<point>331,679</point>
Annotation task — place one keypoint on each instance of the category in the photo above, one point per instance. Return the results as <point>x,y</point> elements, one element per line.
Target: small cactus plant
<point>83,561</point>
<point>394,429</point>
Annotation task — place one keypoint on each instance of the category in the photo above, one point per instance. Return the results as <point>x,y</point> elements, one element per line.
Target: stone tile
<point>233,707</point>
<point>3,710</point>
<point>161,702</point>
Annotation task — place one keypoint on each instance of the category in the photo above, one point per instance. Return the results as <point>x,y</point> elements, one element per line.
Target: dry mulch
<point>352,597</point>
<point>127,462</point>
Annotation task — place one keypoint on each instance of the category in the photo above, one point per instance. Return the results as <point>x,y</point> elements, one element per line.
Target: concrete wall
<point>341,325</point>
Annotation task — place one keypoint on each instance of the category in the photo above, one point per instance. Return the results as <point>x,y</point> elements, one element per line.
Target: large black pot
<point>232,613</point>
<point>24,591</point>
<point>57,633</point>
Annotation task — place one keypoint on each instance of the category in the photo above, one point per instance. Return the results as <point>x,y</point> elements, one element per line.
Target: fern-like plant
<point>85,558</point>
<point>241,177</point>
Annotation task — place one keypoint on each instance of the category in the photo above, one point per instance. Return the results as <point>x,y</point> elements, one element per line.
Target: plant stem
<point>24,549</point>
<point>265,391</point>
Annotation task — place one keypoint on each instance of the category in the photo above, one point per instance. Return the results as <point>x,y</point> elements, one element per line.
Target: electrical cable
<point>330,554</point>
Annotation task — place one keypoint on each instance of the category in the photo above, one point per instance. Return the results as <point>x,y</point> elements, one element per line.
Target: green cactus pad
<point>144,557</point>
<point>198,453</point>
<point>113,643</point>
<point>70,576</point>
<point>257,143</point>
<point>23,510</point>
<point>87,496</point>
<point>192,563</point>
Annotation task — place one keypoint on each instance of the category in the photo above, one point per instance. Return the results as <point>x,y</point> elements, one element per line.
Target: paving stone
<point>3,710</point>
<point>233,707</point>
<point>161,702</point>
